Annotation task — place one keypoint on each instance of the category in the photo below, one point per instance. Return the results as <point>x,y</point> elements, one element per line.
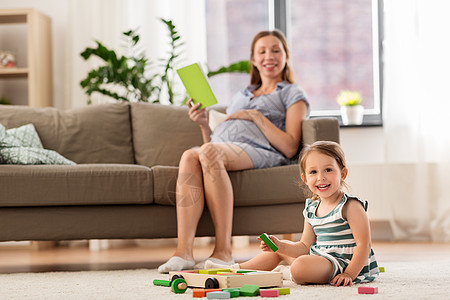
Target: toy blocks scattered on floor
<point>367,290</point>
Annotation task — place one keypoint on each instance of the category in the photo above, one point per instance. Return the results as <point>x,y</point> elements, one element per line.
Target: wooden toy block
<point>218,295</point>
<point>266,239</point>
<point>381,269</point>
<point>211,290</point>
<point>198,293</point>
<point>249,290</point>
<point>245,271</point>
<point>367,290</point>
<point>269,293</point>
<point>233,292</point>
<point>213,271</point>
<point>161,282</point>
<point>214,281</point>
<point>283,290</point>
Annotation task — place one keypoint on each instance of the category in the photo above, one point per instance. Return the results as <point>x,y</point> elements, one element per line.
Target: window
<point>334,46</point>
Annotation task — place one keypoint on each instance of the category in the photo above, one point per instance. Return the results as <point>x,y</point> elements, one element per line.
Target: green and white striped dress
<point>335,240</point>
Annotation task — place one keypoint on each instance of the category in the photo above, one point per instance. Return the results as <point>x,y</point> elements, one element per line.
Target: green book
<point>197,85</point>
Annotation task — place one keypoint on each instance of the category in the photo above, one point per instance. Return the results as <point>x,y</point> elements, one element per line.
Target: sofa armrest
<point>320,129</point>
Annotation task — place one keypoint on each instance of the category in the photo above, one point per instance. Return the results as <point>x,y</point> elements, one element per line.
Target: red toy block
<point>367,290</point>
<point>198,293</point>
<point>212,290</point>
<point>269,293</point>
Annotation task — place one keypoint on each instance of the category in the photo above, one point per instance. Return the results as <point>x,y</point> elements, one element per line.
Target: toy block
<point>283,291</point>
<point>233,292</point>
<point>269,293</point>
<point>367,290</point>
<point>381,269</point>
<point>249,290</point>
<point>228,273</point>
<point>198,293</point>
<point>245,271</point>
<point>213,271</point>
<point>161,282</point>
<point>266,239</point>
<point>218,295</point>
<point>211,290</point>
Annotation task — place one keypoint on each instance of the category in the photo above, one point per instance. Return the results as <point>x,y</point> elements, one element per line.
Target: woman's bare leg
<point>216,160</point>
<point>190,202</point>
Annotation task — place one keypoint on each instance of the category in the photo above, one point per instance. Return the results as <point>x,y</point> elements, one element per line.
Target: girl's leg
<point>266,261</point>
<point>311,269</point>
<point>215,160</point>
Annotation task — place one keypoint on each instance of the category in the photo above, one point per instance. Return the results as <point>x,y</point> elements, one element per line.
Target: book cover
<point>197,85</point>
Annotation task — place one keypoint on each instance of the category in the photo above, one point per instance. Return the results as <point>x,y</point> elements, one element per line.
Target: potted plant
<point>352,111</point>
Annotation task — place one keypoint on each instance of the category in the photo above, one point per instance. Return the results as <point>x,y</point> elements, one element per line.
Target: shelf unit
<point>37,38</point>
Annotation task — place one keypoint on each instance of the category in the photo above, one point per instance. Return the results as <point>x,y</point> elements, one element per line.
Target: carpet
<point>402,280</point>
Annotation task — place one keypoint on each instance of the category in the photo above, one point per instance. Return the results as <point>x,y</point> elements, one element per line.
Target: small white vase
<point>352,115</point>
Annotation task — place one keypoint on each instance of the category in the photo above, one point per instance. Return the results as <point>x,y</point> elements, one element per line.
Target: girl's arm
<point>285,142</point>
<point>199,116</point>
<point>359,225</point>
<point>294,249</point>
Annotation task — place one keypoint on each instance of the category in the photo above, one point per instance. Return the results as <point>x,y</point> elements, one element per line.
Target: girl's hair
<point>328,148</point>
<point>288,74</point>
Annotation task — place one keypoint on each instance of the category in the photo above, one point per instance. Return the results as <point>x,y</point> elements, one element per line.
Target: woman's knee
<point>210,154</point>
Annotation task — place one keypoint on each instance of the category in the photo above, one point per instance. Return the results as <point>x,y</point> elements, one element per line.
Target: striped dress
<point>335,240</point>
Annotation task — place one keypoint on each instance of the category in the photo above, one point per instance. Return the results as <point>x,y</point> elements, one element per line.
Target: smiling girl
<point>335,246</point>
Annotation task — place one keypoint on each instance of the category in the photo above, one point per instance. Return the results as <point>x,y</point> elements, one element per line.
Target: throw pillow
<point>23,146</point>
<point>215,118</point>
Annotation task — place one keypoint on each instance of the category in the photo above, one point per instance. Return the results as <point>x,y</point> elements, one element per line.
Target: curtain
<point>105,20</point>
<point>416,127</point>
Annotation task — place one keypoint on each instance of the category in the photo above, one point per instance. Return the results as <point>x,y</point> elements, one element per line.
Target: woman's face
<point>269,57</point>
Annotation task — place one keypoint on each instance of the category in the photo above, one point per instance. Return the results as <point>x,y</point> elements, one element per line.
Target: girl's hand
<point>197,115</point>
<point>342,279</point>
<point>264,246</point>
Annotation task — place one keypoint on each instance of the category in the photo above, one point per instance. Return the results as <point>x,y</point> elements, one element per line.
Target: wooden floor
<point>132,256</point>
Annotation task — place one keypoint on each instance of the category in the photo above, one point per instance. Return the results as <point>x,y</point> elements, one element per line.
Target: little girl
<point>335,246</point>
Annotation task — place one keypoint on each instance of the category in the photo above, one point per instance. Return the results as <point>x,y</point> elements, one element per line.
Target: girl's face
<point>269,57</point>
<point>323,175</point>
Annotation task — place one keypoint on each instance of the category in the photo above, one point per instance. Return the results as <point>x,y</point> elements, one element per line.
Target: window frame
<point>279,18</point>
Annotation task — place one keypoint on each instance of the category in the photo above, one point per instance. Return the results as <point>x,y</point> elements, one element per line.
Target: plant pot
<point>352,115</point>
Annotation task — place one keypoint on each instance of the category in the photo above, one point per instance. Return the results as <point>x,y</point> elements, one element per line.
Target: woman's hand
<point>246,114</point>
<point>342,279</point>
<point>197,115</point>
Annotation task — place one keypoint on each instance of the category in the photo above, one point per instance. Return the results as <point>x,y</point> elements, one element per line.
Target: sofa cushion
<point>92,134</point>
<point>22,146</point>
<point>161,133</point>
<point>86,184</point>
<point>271,186</point>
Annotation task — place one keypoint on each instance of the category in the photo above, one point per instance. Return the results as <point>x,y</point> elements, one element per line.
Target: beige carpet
<point>402,280</point>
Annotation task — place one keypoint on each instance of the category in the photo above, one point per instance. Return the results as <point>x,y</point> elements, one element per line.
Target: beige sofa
<point>123,185</point>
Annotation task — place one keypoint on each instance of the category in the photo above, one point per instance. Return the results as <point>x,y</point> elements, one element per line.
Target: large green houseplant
<point>130,78</point>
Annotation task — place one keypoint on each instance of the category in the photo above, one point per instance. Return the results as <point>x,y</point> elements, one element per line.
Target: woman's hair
<point>328,148</point>
<point>288,74</point>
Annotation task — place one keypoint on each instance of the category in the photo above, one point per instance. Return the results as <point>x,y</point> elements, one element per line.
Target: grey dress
<point>247,135</point>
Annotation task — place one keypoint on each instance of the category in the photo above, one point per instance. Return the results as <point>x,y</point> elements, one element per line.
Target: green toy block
<point>245,271</point>
<point>283,291</point>
<point>161,282</point>
<point>268,241</point>
<point>233,292</point>
<point>381,269</point>
<point>249,290</point>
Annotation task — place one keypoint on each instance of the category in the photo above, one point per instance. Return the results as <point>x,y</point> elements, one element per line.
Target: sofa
<point>123,183</point>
